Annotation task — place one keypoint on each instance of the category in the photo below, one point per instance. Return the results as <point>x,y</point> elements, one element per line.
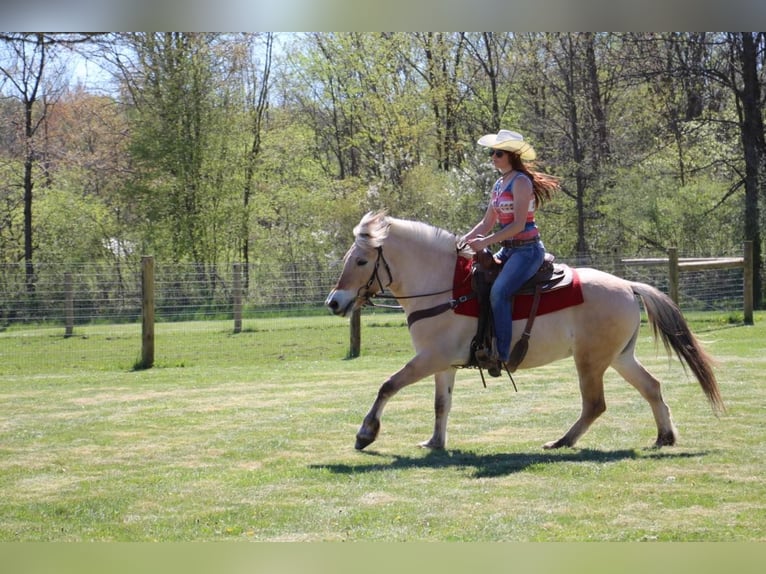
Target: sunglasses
<point>496,152</point>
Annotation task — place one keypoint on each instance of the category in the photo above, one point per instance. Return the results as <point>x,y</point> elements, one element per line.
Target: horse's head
<point>365,271</point>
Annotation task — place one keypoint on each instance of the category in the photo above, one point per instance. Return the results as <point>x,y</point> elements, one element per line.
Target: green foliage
<point>182,142</point>
<point>649,210</point>
<point>72,226</point>
<point>649,155</point>
<point>11,213</point>
<point>295,201</point>
<point>445,199</point>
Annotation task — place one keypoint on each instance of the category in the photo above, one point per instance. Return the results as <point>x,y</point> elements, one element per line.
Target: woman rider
<point>510,221</point>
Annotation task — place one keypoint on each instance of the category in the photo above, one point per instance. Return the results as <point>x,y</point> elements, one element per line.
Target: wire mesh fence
<point>109,297</point>
<point>183,292</point>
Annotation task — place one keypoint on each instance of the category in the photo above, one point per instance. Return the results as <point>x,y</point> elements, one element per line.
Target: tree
<point>442,71</point>
<point>87,163</point>
<point>746,79</point>
<point>176,88</point>
<point>28,71</point>
<point>489,76</point>
<point>699,70</point>
<point>362,99</point>
<point>255,83</point>
<point>567,90</point>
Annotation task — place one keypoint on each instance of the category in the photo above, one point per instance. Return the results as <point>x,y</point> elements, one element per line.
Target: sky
<point>95,79</point>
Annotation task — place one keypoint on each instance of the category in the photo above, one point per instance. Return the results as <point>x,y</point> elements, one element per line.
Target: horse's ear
<point>376,219</point>
<point>381,226</point>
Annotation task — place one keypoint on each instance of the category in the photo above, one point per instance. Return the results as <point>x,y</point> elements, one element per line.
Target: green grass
<point>250,437</point>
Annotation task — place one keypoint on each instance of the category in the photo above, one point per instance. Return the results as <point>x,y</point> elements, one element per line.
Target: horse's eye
<point>361,262</point>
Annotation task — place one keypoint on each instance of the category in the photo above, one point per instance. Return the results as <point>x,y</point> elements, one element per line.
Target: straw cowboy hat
<point>509,141</point>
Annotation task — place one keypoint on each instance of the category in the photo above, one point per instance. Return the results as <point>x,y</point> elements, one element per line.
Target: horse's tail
<point>669,324</point>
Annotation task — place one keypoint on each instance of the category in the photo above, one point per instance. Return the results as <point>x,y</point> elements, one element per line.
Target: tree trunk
<point>596,100</point>
<point>755,152</point>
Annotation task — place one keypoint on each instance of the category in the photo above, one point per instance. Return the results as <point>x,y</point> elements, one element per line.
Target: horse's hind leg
<point>649,387</point>
<point>593,404</point>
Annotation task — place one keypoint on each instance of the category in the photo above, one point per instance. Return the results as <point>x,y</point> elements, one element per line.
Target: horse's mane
<point>375,227</point>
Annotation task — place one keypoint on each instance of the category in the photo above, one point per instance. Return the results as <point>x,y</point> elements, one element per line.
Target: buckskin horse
<point>418,264</point>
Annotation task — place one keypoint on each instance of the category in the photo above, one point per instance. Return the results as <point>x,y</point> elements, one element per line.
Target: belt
<point>519,242</point>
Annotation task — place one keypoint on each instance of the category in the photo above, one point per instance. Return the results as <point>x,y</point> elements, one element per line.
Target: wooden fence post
<point>147,307</point>
<point>68,305</point>
<point>673,273</point>
<point>618,267</point>
<point>237,295</point>
<point>356,334</point>
<point>747,272</point>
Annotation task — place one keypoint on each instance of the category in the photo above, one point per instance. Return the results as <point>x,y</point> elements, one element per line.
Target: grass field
<point>250,437</point>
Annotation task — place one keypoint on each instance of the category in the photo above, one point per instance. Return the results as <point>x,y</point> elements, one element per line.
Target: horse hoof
<point>432,445</point>
<point>362,441</point>
<point>665,439</point>
<point>554,444</point>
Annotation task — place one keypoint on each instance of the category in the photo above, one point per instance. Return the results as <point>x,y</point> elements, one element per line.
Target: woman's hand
<point>478,244</point>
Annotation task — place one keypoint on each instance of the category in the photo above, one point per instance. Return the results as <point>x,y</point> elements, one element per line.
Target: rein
<point>416,315</point>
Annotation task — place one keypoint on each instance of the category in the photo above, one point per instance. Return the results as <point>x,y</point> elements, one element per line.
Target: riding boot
<point>487,358</point>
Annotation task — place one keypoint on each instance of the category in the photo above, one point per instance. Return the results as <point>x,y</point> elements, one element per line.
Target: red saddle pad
<point>522,304</point>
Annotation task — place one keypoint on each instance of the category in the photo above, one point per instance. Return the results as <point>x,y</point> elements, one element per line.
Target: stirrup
<point>487,359</point>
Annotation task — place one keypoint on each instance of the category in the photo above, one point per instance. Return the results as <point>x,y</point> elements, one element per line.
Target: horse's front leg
<point>445,381</point>
<point>420,366</point>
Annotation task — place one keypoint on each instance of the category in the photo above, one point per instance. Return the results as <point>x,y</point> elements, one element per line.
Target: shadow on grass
<point>491,465</point>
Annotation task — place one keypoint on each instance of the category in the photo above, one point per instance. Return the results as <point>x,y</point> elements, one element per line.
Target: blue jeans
<point>521,264</point>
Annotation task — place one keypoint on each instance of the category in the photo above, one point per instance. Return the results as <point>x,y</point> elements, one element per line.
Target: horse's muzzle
<point>339,302</point>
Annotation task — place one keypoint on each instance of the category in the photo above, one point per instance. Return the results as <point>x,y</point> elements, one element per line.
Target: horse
<point>415,262</point>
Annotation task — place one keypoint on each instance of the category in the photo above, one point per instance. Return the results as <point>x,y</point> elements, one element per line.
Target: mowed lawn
<point>251,437</point>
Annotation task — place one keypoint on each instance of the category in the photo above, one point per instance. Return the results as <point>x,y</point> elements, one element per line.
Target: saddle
<point>549,277</point>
